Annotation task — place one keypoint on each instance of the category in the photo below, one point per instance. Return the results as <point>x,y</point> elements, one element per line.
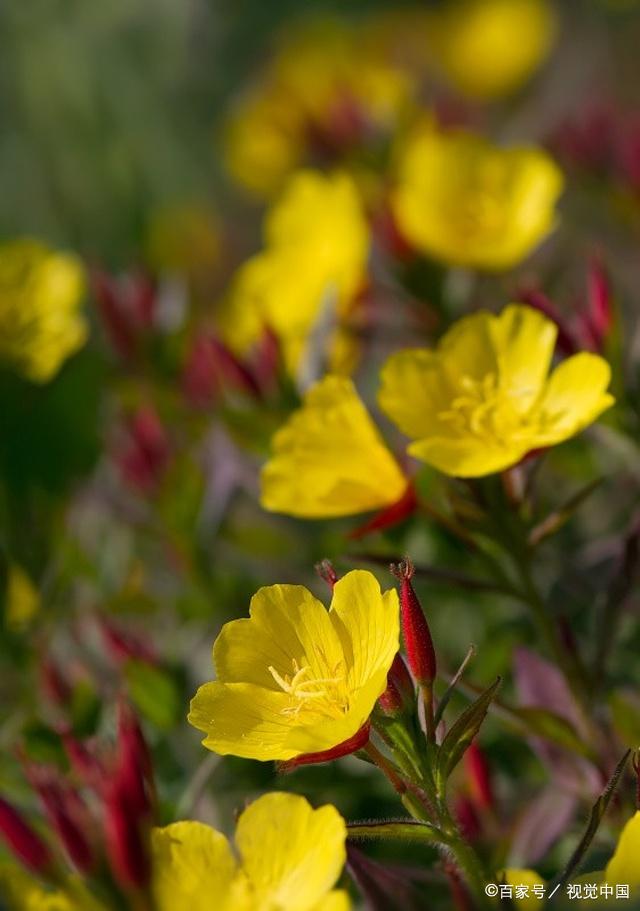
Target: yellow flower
<point>484,397</point>
<point>21,893</point>
<point>294,678</point>
<point>489,48</point>
<point>290,858</point>
<point>22,599</point>
<point>41,324</point>
<point>329,458</point>
<point>324,85</point>
<point>312,266</point>
<point>467,202</point>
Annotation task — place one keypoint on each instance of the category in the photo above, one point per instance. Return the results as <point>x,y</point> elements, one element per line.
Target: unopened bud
<point>23,842</point>
<point>479,777</point>
<point>126,839</point>
<point>399,696</point>
<point>134,767</point>
<point>418,643</point>
<point>68,816</point>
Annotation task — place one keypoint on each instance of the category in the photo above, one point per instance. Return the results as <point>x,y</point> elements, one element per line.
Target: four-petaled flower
<point>466,202</point>
<point>294,678</point>
<point>484,398</point>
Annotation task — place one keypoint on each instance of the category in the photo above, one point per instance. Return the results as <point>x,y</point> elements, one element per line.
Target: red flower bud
<point>479,777</point>
<point>124,645</point>
<point>399,695</point>
<point>126,838</point>
<point>145,455</point>
<point>352,745</point>
<point>210,368</point>
<point>134,767</point>
<point>418,643</point>
<point>86,765</point>
<point>127,308</point>
<point>68,817</point>
<point>598,318</point>
<point>23,842</point>
<point>467,816</point>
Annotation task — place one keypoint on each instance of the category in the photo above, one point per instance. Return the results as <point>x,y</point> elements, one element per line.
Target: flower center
<point>486,411</point>
<point>324,695</point>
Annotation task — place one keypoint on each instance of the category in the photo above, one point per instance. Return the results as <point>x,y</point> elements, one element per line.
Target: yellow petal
<point>338,900</point>
<point>193,866</point>
<point>574,396</point>
<point>469,457</point>
<point>283,621</point>
<point>524,340</point>
<point>527,878</point>
<point>241,719</point>
<point>368,624</point>
<point>291,854</point>
<point>329,459</point>
<point>623,866</point>
<point>414,390</point>
<point>22,599</point>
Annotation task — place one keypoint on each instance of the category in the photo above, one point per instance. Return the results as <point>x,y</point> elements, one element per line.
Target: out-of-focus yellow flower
<point>483,398</point>
<point>294,678</point>
<point>324,88</point>
<point>22,600</point>
<point>41,323</point>
<point>290,858</point>
<point>489,48</point>
<point>20,893</point>
<point>329,458</point>
<point>312,266</point>
<point>183,238</point>
<point>467,202</point>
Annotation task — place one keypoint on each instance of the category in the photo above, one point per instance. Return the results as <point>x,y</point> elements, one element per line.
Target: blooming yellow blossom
<point>312,266</point>
<point>329,458</point>
<point>41,323</point>
<point>294,678</point>
<point>484,397</point>
<point>467,202</point>
<point>489,48</point>
<point>290,857</point>
<point>324,86</point>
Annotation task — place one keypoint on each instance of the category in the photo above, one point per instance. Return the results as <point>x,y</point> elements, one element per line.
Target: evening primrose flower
<point>329,458</point>
<point>294,679</point>
<point>466,202</point>
<point>484,397</point>
<point>312,266</point>
<point>489,48</point>
<point>324,91</point>
<point>290,857</point>
<point>41,323</point>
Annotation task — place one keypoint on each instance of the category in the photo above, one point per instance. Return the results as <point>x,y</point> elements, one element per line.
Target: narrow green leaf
<point>403,830</point>
<point>462,733</point>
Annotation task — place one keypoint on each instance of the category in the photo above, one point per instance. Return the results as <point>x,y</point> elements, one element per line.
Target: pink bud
<point>23,842</point>
<point>134,767</point>
<point>599,313</point>
<point>399,695</point>
<point>126,839</point>
<point>418,643</point>
<point>68,817</point>
<point>479,776</point>
<point>144,457</point>
<point>210,368</point>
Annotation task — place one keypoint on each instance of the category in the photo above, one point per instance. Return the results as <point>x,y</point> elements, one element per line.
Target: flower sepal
<point>346,748</point>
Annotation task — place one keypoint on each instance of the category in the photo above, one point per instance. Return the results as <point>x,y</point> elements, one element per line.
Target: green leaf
<point>155,693</point>
<point>597,812</point>
<point>462,733</point>
<point>549,726</point>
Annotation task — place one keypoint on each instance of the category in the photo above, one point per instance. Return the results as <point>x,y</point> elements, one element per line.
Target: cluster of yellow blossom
<point>308,275</point>
<point>475,405</point>
<point>290,857</point>
<point>41,322</point>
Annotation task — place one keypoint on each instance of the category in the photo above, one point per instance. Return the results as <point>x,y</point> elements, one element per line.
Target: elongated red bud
<point>126,839</point>
<point>352,745</point>
<point>22,841</point>
<point>479,777</point>
<point>418,643</point>
<point>68,817</point>
<point>399,696</point>
<point>134,767</point>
